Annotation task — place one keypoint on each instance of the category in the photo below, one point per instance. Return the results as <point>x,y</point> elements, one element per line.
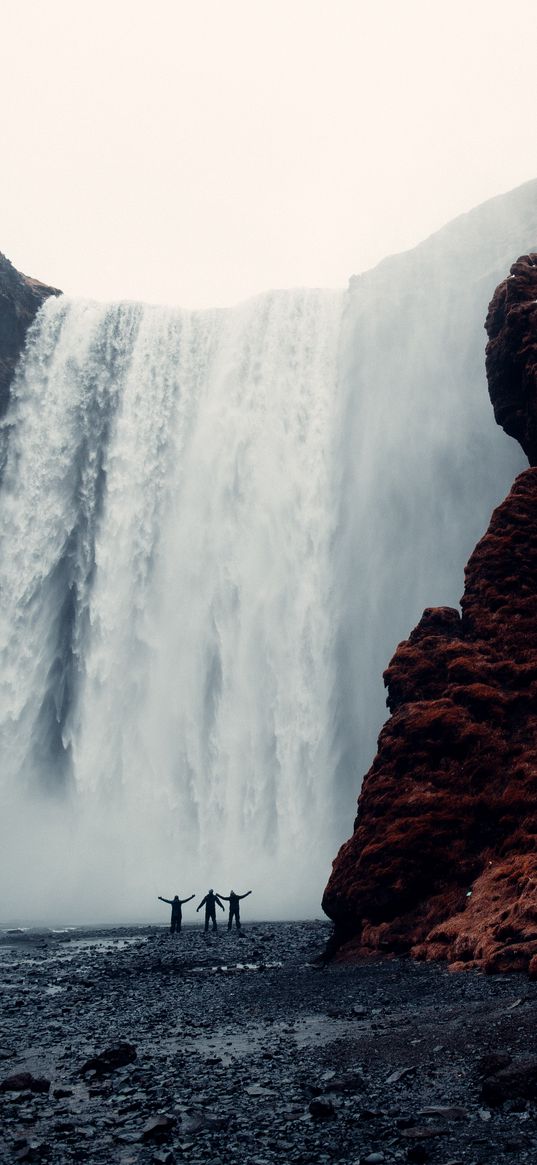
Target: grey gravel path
<point>229,1049</point>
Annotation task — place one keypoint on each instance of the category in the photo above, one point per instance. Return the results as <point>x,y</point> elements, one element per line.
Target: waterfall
<point>215,528</point>
<point>169,614</point>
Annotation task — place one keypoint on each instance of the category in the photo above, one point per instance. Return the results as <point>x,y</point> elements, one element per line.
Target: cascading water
<point>215,528</point>
<point>169,617</point>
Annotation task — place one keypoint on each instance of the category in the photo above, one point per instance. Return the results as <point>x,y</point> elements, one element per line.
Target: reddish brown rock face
<point>443,859</point>
<point>512,354</point>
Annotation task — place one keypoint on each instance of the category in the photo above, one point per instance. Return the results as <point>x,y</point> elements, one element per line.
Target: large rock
<point>110,1059</point>
<point>25,1082</point>
<point>512,354</point>
<point>20,299</point>
<point>515,1081</point>
<point>443,862</point>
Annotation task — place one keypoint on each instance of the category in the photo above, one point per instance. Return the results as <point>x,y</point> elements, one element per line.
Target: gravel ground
<point>227,1049</point>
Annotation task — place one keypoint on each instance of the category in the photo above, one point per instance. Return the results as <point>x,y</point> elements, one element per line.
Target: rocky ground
<point>132,1046</point>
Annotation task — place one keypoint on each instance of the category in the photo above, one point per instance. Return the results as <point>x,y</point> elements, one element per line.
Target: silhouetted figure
<point>209,902</point>
<point>234,912</point>
<point>177,914</point>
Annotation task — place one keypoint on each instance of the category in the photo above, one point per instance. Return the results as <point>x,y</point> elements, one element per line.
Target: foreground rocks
<point>443,859</point>
<point>248,1052</point>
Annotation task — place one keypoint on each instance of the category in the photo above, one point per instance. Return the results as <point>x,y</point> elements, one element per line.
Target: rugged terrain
<point>134,1046</point>
<point>443,859</point>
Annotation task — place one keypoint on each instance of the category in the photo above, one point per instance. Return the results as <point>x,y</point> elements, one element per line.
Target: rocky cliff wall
<point>443,859</point>
<point>20,299</point>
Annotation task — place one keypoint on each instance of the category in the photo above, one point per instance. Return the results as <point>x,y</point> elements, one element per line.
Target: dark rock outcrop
<point>443,859</point>
<point>512,354</point>
<point>20,299</point>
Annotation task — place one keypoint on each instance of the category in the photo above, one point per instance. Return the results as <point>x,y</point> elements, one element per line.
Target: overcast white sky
<point>199,151</point>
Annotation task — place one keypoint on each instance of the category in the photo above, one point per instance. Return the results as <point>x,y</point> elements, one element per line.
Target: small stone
<point>64,1126</point>
<point>417,1154</point>
<point>322,1109</point>
<point>372,1159</point>
<point>400,1074</point>
<point>32,1151</point>
<point>158,1128</point>
<point>351,1082</point>
<point>447,1112</point>
<point>422,1133</point>
<point>128,1138</point>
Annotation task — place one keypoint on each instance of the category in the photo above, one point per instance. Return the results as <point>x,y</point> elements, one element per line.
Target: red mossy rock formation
<point>512,354</point>
<point>443,859</point>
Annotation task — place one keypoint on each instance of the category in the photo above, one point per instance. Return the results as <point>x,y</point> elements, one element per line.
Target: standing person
<point>177,914</point>
<point>210,913</point>
<point>234,912</point>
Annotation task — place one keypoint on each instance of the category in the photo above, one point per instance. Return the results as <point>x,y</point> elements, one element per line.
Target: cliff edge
<point>20,299</point>
<point>443,859</point>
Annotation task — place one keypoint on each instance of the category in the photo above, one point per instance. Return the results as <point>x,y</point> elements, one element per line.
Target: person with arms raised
<point>209,902</point>
<point>234,911</point>
<point>176,904</point>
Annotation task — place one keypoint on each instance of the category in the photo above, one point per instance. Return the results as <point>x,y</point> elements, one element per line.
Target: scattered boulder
<point>33,1151</point>
<point>517,1081</point>
<point>110,1059</point>
<point>493,1062</point>
<point>24,1082</point>
<point>322,1109</point>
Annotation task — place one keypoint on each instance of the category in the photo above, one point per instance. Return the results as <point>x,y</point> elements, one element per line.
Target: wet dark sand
<point>253,1054</point>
